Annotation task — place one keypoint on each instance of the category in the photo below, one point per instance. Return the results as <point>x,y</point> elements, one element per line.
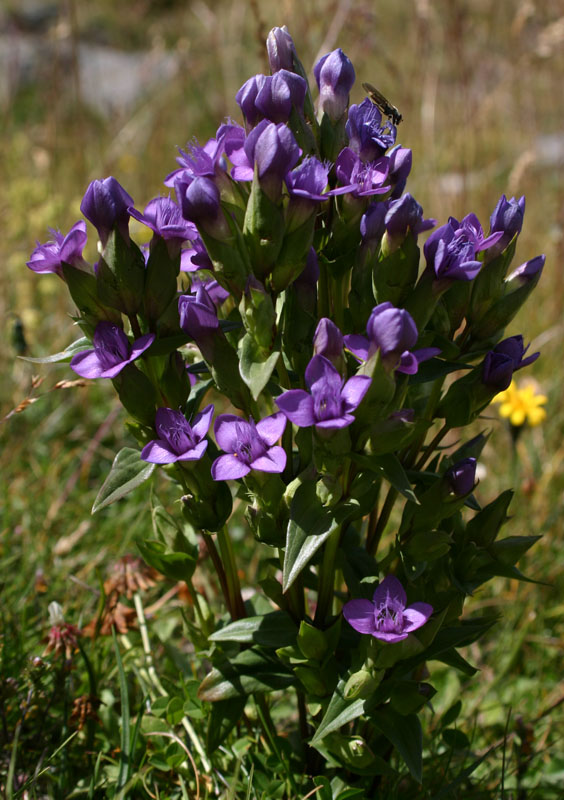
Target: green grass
<point>477,85</point>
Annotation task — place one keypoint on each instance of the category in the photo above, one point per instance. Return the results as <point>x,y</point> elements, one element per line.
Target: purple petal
<point>228,467</point>
<point>202,421</point>
<point>140,345</point>
<point>392,587</point>
<point>417,615</point>
<point>360,614</point>
<point>225,430</point>
<point>321,369</point>
<point>297,406</point>
<point>389,637</point>
<point>408,363</point>
<point>337,422</point>
<point>111,372</point>
<point>272,461</point>
<point>195,453</point>
<point>358,345</point>
<point>354,390</point>
<point>158,452</point>
<point>87,364</point>
<point>270,429</point>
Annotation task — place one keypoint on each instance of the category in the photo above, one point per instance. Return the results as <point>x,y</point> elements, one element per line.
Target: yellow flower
<point>521,405</point>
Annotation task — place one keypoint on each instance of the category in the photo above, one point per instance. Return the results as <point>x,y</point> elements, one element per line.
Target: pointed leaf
<point>339,712</point>
<point>271,630</point>
<point>224,715</point>
<point>250,671</point>
<point>65,355</point>
<point>405,733</point>
<point>255,365</point>
<point>127,473</point>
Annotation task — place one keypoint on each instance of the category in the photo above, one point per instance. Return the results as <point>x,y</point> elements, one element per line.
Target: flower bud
<point>328,341</point>
<point>246,97</point>
<point>461,476</point>
<point>281,49</point>
<point>368,138</point>
<point>279,94</point>
<point>391,329</point>
<point>106,205</point>
<point>528,272</point>
<point>335,77</point>
<point>507,217</point>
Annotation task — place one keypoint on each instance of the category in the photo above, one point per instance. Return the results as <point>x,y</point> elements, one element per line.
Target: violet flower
<point>451,253</point>
<point>461,477</point>
<point>358,178</point>
<point>49,257</point>
<point>501,362</point>
<point>392,331</point>
<point>309,180</point>
<point>281,49</point>
<point>112,352</point>
<point>200,202</point>
<point>507,217</point>
<point>245,99</point>
<point>198,317</point>
<point>178,439</point>
<point>164,217</point>
<point>368,138</point>
<point>471,228</point>
<point>106,205</point>
<point>402,215</point>
<point>328,340</point>
<point>372,225</point>
<point>248,446</point>
<point>279,94</point>
<point>195,256</point>
<point>335,77</point>
<point>529,271</point>
<point>329,403</point>
<point>400,166</point>
<point>205,161</point>
<point>387,616</point>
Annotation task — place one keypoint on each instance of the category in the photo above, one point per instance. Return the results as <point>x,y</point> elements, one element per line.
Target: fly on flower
<point>383,103</point>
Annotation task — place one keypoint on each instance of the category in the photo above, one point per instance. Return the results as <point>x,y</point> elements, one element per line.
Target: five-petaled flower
<point>178,439</point>
<point>112,352</point>
<point>248,446</point>
<point>387,616</point>
<point>521,404</point>
<point>328,404</point>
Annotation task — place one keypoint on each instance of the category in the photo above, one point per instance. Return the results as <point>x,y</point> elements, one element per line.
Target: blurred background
<point>98,88</point>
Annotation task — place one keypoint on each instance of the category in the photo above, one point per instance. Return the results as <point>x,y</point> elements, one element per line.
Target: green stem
<point>376,534</point>
<point>270,733</point>
<point>216,560</point>
<point>134,322</point>
<point>428,451</point>
<point>327,579</point>
<point>231,575</point>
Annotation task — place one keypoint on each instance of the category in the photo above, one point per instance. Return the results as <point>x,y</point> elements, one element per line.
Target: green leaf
<point>339,712</point>
<point>175,711</point>
<point>255,365</point>
<point>250,671</point>
<point>65,355</point>
<point>174,565</point>
<point>453,658</point>
<point>160,279</point>
<point>511,549</point>
<point>484,527</point>
<point>271,630</point>
<point>455,739</point>
<point>127,473</point>
<point>223,717</point>
<point>309,526</point>
<point>124,762</point>
<point>390,467</point>
<point>405,733</point>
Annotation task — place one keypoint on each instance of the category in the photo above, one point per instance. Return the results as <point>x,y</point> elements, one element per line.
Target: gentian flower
<point>328,340</point>
<point>281,49</point>
<point>164,217</point>
<point>49,257</point>
<point>372,225</point>
<point>387,616</point>
<point>248,446</point>
<point>501,362</point>
<point>358,178</point>
<point>402,215</point>
<point>529,271</point>
<point>279,94</point>
<point>329,403</point>
<point>106,205</point>
<point>451,253</point>
<point>198,317</point>
<point>308,180</point>
<point>400,166</point>
<point>392,331</point>
<point>471,228</point>
<point>335,77</point>
<point>368,138</point>
<point>112,352</point>
<point>461,476</point>
<point>195,256</point>
<point>178,439</point>
<point>507,217</point>
<point>245,99</point>
<point>200,204</point>
<point>205,161</point>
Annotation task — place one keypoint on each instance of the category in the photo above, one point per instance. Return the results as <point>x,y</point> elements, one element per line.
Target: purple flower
<point>328,404</point>
<point>501,362</point>
<point>213,289</point>
<point>451,253</point>
<point>164,217</point>
<point>372,223</point>
<point>507,217</point>
<point>309,180</point>
<point>195,256</point>
<point>246,96</point>
<point>198,317</point>
<point>328,340</point>
<point>471,228</point>
<point>178,439</point>
<point>248,446</point>
<point>112,352</point>
<point>205,161</point>
<point>400,167</point>
<point>368,138</point>
<point>279,94</point>
<point>281,49</point>
<point>387,616</point>
<point>335,77</point>
<point>49,257</point>
<point>405,214</point>
<point>392,331</point>
<point>529,271</point>
<point>106,205</point>
<point>461,476</point>
<point>358,178</point>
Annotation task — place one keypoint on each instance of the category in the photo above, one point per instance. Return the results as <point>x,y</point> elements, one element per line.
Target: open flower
<point>248,446</point>
<point>178,439</point>
<point>387,616</point>
<point>62,249</point>
<point>112,352</point>
<point>329,403</point>
<point>521,405</point>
